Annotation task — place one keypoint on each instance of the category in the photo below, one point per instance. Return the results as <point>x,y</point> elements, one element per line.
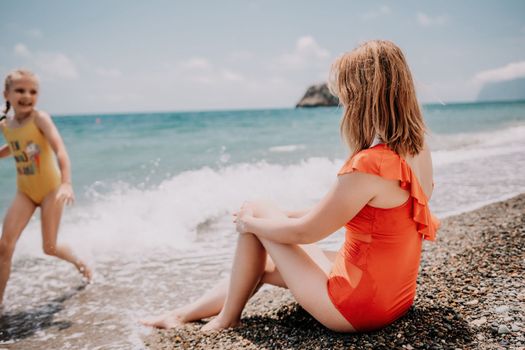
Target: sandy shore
<point>471,295</point>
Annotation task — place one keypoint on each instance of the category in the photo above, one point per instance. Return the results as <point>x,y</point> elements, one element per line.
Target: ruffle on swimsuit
<point>393,167</point>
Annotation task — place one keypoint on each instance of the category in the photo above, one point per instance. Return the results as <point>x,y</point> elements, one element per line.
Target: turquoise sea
<point>155,193</point>
<point>143,151</point>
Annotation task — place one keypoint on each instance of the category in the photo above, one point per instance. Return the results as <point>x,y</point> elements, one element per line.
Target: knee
<point>262,202</point>
<point>264,208</point>
<point>248,236</point>
<point>6,249</point>
<point>50,249</point>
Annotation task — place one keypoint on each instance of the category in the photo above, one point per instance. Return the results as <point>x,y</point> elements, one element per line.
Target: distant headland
<point>509,90</point>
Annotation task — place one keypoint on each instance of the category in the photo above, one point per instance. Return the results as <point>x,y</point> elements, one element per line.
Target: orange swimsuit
<point>373,280</point>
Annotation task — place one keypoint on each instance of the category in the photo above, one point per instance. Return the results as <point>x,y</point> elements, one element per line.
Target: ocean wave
<point>131,219</point>
<point>448,149</point>
<point>515,133</point>
<point>286,148</point>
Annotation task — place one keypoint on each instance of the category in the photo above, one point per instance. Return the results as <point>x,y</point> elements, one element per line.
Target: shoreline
<point>470,296</point>
<point>477,206</point>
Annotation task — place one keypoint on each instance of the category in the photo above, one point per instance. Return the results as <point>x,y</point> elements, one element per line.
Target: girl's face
<point>22,94</point>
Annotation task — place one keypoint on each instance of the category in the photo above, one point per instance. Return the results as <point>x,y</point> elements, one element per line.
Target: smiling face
<point>22,93</point>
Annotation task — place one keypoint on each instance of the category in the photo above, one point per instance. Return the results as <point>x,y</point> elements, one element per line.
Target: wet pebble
<point>502,309</point>
<point>478,322</point>
<point>503,329</point>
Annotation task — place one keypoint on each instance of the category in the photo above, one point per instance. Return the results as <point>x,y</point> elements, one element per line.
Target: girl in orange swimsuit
<point>33,140</point>
<point>380,196</point>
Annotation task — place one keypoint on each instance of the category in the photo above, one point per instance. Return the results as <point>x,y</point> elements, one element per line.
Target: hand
<point>249,205</point>
<point>65,194</point>
<point>241,217</point>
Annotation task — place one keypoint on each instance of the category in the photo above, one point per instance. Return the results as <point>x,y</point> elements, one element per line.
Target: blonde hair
<point>375,87</point>
<point>12,76</point>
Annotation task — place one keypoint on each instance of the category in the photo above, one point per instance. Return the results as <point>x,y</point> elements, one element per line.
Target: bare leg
<point>211,303</point>
<point>16,219</point>
<point>247,270</point>
<point>207,305</point>
<point>51,215</point>
<point>297,268</point>
<point>250,260</point>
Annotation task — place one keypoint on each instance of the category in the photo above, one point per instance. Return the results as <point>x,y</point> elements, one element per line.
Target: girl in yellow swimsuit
<point>32,138</point>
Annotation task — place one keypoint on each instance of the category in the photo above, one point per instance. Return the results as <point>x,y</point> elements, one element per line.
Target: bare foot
<point>166,321</point>
<point>85,271</point>
<point>218,324</point>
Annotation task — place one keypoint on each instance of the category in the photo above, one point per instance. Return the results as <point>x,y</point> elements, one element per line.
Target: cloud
<point>108,73</point>
<point>196,63</point>
<point>57,65</point>
<point>242,55</point>
<point>511,71</point>
<point>203,79</point>
<point>306,51</point>
<point>229,75</point>
<point>381,11</point>
<point>118,97</point>
<point>202,71</point>
<point>52,64</point>
<point>217,76</point>
<point>307,45</point>
<point>21,50</point>
<point>425,20</point>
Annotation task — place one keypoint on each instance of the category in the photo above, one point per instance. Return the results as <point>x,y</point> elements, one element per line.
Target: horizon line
<point>212,110</point>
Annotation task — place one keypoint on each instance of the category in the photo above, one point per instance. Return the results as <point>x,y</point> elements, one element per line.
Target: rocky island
<point>318,96</point>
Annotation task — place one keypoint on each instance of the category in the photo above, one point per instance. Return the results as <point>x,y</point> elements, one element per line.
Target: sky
<point>146,56</point>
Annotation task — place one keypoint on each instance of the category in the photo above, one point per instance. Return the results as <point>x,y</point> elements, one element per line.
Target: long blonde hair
<point>375,87</point>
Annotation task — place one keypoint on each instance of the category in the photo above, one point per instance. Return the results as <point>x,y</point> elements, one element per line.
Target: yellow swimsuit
<point>37,171</point>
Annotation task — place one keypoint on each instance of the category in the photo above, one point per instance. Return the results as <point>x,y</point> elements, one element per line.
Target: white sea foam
<point>286,148</point>
<point>497,137</point>
<point>456,148</point>
<point>129,219</point>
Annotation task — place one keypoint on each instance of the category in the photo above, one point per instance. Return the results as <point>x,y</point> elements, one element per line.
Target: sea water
<point>155,193</point>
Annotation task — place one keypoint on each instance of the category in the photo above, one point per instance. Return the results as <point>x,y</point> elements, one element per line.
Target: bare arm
<point>350,193</point>
<point>5,151</point>
<point>295,214</point>
<point>48,128</point>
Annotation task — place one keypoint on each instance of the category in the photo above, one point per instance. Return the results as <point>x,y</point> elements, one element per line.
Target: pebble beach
<point>471,295</point>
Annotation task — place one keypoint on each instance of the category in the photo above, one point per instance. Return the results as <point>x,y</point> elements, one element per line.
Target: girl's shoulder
<point>42,119</point>
<point>369,160</point>
<point>41,115</point>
